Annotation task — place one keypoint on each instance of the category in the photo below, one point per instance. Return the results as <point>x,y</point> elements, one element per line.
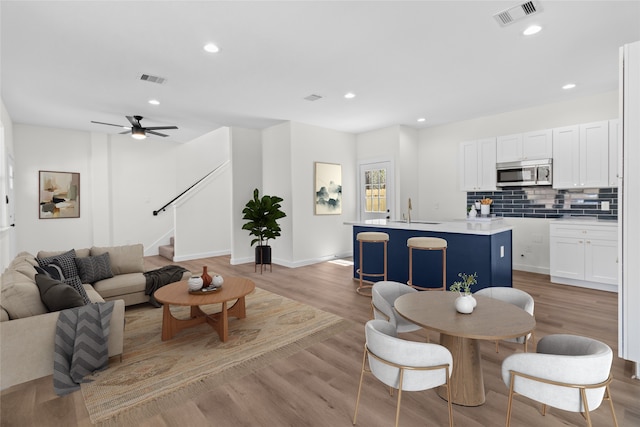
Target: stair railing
<point>164,208</point>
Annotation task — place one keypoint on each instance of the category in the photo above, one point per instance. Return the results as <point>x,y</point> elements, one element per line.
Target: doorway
<point>375,194</point>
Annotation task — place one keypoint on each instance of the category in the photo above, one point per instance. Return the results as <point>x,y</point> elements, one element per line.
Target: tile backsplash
<point>546,202</point>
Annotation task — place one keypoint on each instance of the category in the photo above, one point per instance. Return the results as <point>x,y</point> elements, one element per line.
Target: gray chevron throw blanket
<point>81,345</point>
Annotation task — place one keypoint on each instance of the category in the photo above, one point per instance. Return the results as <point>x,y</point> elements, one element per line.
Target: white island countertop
<point>462,226</point>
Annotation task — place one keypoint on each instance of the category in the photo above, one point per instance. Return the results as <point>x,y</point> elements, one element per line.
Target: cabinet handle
<point>588,242</point>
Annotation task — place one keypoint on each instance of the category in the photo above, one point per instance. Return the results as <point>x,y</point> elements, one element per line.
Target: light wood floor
<point>317,386</point>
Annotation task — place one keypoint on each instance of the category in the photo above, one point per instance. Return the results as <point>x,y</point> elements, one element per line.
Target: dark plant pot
<point>263,254</point>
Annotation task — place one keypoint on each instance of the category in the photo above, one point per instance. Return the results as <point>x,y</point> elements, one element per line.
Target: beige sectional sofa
<point>27,329</point>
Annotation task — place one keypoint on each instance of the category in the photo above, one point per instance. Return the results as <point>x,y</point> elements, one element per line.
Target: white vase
<point>464,304</point>
<point>195,283</point>
<point>217,280</point>
<point>484,209</point>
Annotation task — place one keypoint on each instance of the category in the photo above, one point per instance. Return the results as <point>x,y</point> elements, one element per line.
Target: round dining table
<point>491,319</point>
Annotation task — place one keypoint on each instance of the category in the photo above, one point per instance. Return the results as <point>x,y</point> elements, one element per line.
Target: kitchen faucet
<point>409,212</point>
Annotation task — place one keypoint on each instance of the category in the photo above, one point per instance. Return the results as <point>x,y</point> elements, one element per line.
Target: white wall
<point>7,234</point>
<point>122,181</point>
<point>440,197</point>
<point>246,166</point>
<point>290,151</point>
<point>203,216</point>
<point>320,237</point>
<point>407,171</point>
<point>40,148</point>
<point>277,180</point>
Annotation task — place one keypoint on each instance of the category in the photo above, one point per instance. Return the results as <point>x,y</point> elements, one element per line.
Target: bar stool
<point>428,244</point>
<point>371,237</point>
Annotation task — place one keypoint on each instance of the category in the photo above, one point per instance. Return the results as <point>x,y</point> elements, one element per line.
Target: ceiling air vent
<point>313,97</point>
<point>152,79</point>
<point>515,13</point>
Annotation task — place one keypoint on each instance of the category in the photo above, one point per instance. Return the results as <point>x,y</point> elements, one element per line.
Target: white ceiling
<point>64,64</point>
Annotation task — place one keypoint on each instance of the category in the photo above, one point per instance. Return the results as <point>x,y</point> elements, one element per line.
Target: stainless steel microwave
<point>524,173</point>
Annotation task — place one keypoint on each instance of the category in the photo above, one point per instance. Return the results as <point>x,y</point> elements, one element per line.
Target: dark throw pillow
<point>67,264</point>
<point>56,295</point>
<point>76,284</point>
<point>65,261</point>
<point>52,271</point>
<point>94,268</point>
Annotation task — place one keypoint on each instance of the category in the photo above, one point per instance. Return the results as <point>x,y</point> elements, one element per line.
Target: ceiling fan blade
<point>108,124</point>
<point>160,127</point>
<point>155,133</point>
<point>125,132</point>
<point>133,121</point>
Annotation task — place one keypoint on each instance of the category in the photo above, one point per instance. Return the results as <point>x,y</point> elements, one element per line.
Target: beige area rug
<point>155,374</point>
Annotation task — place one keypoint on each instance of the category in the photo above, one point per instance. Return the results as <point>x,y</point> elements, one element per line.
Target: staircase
<point>167,251</point>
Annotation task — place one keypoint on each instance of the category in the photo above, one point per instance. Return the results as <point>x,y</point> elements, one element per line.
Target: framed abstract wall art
<point>328,189</point>
<point>59,195</point>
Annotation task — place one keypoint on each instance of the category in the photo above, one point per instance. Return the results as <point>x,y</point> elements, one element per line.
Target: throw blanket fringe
<point>81,345</point>
<point>160,277</point>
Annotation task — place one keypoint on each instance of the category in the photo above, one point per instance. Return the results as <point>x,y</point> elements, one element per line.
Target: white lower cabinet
<point>584,254</point>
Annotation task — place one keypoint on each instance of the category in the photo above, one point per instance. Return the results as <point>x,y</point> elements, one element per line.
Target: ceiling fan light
<point>138,134</point>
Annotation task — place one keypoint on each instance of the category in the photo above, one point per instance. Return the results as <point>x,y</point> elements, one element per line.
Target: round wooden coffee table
<point>234,288</point>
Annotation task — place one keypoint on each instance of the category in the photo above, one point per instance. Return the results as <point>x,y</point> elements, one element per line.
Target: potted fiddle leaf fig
<point>262,215</point>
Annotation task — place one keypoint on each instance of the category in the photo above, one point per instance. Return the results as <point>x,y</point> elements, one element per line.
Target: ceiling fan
<point>136,130</point>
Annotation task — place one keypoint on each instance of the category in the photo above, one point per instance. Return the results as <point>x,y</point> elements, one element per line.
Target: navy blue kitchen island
<point>472,247</point>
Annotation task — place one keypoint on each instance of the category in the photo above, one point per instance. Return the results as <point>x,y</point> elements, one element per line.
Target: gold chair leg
<point>607,396</point>
<point>448,383</point>
<point>364,359</point>
<point>585,403</point>
<point>399,396</point>
<point>510,403</point>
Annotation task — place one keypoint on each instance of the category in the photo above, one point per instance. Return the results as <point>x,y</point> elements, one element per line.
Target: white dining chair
<point>516,297</point>
<point>404,365</point>
<point>567,372</point>
<point>383,295</point>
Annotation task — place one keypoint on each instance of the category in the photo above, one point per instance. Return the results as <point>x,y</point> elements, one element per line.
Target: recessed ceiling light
<point>211,48</point>
<point>422,119</point>
<point>349,95</point>
<point>531,30</point>
<point>569,86</point>
<point>154,102</point>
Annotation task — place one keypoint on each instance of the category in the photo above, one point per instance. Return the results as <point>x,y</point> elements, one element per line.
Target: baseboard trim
<point>292,264</point>
<point>178,258</point>
<point>531,269</point>
<point>584,284</point>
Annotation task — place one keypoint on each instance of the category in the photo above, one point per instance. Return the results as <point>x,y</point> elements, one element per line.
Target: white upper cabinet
<point>477,165</point>
<point>509,148</point>
<point>524,146</point>
<point>615,138</point>
<point>581,156</point>
<point>566,148</point>
<point>594,154</point>
<point>537,145</point>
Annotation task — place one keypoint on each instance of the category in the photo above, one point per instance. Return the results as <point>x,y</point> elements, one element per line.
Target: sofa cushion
<point>57,295</point>
<point>20,295</point>
<point>124,259</point>
<point>94,268</point>
<point>80,253</point>
<point>93,295</point>
<point>121,284</point>
<point>24,257</point>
